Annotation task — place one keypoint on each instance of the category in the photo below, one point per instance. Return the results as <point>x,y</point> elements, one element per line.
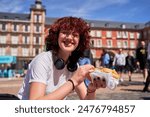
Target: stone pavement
<point>124,91</point>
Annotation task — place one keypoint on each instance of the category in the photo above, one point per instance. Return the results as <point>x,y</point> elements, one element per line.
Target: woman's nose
<point>69,36</point>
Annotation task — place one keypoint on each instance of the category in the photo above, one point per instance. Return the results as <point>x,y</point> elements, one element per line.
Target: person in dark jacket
<point>141,57</point>
<point>130,64</point>
<point>145,89</point>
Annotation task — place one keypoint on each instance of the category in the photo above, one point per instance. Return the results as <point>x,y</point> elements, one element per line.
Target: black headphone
<point>60,64</point>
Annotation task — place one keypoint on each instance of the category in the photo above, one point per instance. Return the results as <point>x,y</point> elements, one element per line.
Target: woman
<point>54,74</point>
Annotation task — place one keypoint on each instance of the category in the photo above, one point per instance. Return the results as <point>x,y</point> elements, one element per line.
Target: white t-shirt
<point>42,70</point>
<point>119,59</point>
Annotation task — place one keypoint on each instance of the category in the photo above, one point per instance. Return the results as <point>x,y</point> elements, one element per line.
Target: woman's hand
<point>96,84</point>
<point>82,73</point>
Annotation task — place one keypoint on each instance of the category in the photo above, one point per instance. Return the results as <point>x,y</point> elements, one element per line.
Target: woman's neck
<point>63,55</point>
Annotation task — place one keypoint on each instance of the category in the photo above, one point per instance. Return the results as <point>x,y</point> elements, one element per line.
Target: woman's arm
<point>37,90</point>
<point>82,92</point>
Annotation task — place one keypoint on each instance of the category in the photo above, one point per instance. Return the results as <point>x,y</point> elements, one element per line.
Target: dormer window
<point>5,17</point>
<point>91,24</point>
<point>136,26</point>
<point>16,18</point>
<point>107,25</point>
<point>123,26</point>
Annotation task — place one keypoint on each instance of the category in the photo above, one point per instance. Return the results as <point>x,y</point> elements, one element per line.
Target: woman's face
<point>68,41</point>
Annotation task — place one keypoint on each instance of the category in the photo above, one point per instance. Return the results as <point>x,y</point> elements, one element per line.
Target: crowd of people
<point>132,61</point>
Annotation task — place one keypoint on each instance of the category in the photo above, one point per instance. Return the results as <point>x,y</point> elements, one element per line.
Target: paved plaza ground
<point>124,91</point>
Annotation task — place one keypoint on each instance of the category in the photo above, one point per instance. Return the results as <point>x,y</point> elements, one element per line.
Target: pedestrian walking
<point>145,89</point>
<point>119,63</point>
<point>141,57</point>
<point>105,59</point>
<point>130,64</point>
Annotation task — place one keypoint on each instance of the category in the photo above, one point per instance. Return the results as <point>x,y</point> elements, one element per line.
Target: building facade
<point>22,35</point>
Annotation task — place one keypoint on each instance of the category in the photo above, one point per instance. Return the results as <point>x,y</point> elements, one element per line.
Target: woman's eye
<point>76,35</point>
<point>64,32</point>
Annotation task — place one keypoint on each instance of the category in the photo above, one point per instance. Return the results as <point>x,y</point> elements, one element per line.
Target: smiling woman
<point>55,73</point>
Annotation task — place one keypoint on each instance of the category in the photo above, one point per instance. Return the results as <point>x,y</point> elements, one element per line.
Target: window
<point>25,40</point>
<point>108,34</point>
<point>132,44</point>
<point>138,35</point>
<point>132,35</point>
<point>123,26</point>
<point>36,51</point>
<point>92,43</point>
<point>26,28</point>
<point>37,40</point>
<point>125,44</point>
<point>2,51</point>
<point>99,43</point>
<point>92,33</point>
<point>119,45</point>
<point>25,51</point>
<point>14,40</point>
<point>3,39</point>
<point>38,18</point>
<point>109,43</point>
<point>37,28</point>
<point>14,51</point>
<point>119,35</point>
<point>15,27</point>
<point>3,27</point>
<point>98,34</point>
<point>125,34</point>
<point>107,25</point>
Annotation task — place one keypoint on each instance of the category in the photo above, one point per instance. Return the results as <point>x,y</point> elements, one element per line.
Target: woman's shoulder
<point>44,54</point>
<point>45,57</point>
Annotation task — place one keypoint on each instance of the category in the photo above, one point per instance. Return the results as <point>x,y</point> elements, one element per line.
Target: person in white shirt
<point>119,62</point>
<point>54,74</point>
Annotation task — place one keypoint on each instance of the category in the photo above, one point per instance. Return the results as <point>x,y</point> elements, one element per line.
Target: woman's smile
<point>68,43</point>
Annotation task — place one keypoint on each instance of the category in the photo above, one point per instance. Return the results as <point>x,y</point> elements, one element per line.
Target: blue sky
<point>111,10</point>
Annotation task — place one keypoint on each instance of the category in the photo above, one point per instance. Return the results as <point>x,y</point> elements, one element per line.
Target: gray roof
<point>50,21</point>
<point>13,16</point>
<point>106,24</point>
<point>93,23</point>
<point>114,24</point>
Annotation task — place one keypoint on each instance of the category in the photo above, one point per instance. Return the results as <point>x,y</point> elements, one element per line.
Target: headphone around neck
<point>60,64</point>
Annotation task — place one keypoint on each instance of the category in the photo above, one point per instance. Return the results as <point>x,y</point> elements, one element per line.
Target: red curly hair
<point>70,24</point>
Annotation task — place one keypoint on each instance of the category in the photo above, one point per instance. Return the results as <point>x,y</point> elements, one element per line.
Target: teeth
<point>67,43</point>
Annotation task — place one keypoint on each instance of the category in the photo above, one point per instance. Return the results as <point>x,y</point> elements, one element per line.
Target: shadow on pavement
<point>133,90</point>
<point>145,98</point>
<point>127,83</point>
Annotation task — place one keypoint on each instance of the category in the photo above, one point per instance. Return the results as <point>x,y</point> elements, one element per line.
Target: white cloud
<point>84,8</point>
<point>80,8</point>
<point>11,5</point>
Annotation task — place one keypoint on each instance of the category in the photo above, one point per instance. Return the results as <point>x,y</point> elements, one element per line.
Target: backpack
<point>111,58</point>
